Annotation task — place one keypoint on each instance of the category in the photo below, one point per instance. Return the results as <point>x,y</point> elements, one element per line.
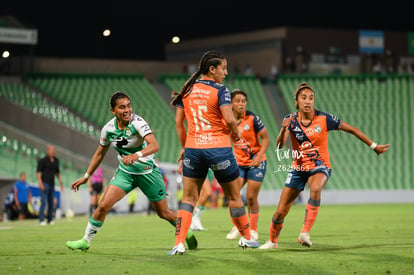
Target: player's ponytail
<point>209,58</point>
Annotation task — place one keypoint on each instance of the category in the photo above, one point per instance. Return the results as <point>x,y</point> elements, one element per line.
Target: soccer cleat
<point>196,224</point>
<point>233,234</point>
<point>254,234</point>
<point>42,223</point>
<point>191,240</point>
<point>268,245</point>
<point>177,250</point>
<point>81,244</point>
<point>304,239</point>
<point>252,243</point>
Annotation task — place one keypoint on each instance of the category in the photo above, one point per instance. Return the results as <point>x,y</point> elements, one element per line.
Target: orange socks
<point>184,217</point>
<point>311,211</point>
<point>253,216</point>
<point>241,221</point>
<point>275,228</point>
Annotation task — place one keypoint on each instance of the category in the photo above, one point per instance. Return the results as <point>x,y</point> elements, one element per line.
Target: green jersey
<point>129,141</point>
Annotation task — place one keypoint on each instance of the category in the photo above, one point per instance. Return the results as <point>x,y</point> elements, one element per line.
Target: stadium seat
<point>88,95</point>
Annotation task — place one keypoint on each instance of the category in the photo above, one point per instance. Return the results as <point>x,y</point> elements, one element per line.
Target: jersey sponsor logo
<point>120,142</point>
<point>300,137</point>
<point>200,93</point>
<point>204,139</point>
<point>305,145</point>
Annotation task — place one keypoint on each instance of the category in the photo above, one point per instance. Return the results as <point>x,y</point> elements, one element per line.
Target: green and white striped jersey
<point>129,141</point>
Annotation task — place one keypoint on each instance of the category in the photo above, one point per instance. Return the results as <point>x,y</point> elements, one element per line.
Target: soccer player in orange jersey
<point>250,156</point>
<point>204,103</point>
<point>308,129</point>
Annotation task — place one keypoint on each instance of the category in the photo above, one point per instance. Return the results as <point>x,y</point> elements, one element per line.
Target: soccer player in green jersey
<point>135,144</point>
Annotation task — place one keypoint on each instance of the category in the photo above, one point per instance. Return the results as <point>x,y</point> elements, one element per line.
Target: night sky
<point>140,30</point>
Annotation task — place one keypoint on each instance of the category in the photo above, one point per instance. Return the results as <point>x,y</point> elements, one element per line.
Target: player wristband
<point>140,154</point>
<point>373,146</point>
<point>87,176</point>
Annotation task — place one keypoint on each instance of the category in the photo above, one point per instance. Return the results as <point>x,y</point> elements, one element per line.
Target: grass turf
<point>347,239</point>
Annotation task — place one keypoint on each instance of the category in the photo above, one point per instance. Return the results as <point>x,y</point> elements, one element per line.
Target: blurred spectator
<point>22,197</point>
<point>248,71</point>
<point>274,73</point>
<point>377,68</point>
<point>10,207</point>
<point>96,187</point>
<point>47,169</point>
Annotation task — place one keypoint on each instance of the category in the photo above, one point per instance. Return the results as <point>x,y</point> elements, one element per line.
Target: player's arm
<point>181,131</point>
<point>379,149</point>
<point>60,180</point>
<point>265,144</point>
<point>93,164</point>
<point>16,198</point>
<point>90,184</point>
<point>230,121</point>
<point>152,147</point>
<point>283,133</point>
<point>39,175</point>
<point>180,127</point>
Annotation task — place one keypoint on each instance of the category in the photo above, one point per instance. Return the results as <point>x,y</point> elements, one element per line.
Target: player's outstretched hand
<point>381,149</point>
<point>76,184</point>
<point>286,123</point>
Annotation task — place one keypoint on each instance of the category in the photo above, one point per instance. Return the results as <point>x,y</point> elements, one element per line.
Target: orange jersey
<point>249,145</point>
<point>203,115</point>
<point>310,143</point>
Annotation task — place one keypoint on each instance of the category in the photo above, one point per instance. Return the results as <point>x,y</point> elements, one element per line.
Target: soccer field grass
<point>347,239</point>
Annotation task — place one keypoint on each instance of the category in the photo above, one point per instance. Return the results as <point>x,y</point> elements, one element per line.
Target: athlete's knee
<point>251,203</point>
<point>166,214</point>
<point>103,208</point>
<point>279,215</point>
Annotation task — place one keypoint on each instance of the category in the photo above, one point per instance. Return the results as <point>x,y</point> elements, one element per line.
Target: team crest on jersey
<point>318,129</point>
<point>246,127</point>
<point>128,131</point>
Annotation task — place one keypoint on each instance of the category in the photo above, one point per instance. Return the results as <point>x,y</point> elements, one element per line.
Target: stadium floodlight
<point>175,39</point>
<point>106,32</point>
<point>5,54</point>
